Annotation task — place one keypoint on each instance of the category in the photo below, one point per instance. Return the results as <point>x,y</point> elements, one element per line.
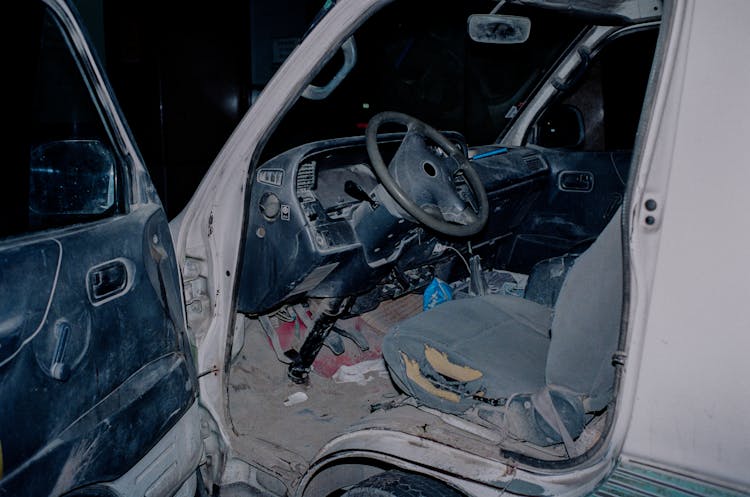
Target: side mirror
<point>502,29</point>
<point>71,178</point>
<point>560,127</point>
<point>313,92</point>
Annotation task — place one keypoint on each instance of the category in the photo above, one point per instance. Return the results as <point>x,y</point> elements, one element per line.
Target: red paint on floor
<point>326,364</point>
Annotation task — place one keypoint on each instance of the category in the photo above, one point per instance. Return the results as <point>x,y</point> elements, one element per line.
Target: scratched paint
<point>634,479</point>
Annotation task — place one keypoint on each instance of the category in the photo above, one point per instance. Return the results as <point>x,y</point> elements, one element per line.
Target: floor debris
<point>362,372</point>
<point>295,398</point>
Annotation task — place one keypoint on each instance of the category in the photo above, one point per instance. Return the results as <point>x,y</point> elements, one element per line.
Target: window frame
<point>62,19</point>
<point>562,95</point>
<point>593,40</point>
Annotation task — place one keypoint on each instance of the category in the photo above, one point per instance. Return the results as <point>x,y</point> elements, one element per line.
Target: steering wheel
<point>421,178</point>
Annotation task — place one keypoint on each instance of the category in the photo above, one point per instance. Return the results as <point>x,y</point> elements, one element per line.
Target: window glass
<point>606,102</point>
<point>62,168</point>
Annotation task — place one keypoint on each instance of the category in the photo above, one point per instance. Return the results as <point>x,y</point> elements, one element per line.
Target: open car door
<point>95,365</point>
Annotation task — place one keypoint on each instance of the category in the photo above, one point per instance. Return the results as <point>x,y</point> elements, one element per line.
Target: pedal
<point>355,336</point>
<point>334,343</point>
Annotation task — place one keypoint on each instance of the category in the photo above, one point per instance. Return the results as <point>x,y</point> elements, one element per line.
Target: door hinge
<point>197,299</point>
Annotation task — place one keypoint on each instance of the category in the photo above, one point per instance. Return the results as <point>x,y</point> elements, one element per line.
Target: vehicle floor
<point>283,439</point>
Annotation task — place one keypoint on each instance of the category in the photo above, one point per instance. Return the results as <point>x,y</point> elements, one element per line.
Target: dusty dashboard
<point>319,224</point>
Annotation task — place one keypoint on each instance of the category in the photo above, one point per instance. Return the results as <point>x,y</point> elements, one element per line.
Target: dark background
<point>184,76</point>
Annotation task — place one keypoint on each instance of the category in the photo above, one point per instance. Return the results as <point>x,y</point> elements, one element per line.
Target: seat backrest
<point>586,324</point>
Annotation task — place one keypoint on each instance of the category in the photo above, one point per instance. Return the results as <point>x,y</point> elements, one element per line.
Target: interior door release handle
<point>107,280</point>
<point>575,181</point>
<point>58,369</point>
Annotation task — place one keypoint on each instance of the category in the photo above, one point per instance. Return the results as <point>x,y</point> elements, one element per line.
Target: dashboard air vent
<point>306,177</point>
<point>534,163</point>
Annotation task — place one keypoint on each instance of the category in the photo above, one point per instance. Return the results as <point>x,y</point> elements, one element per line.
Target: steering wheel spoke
<point>421,177</point>
<point>413,142</point>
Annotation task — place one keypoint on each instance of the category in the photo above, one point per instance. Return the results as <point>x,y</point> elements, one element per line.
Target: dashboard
<point>320,224</point>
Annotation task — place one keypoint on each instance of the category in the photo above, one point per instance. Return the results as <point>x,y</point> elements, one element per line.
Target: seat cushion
<point>487,347</point>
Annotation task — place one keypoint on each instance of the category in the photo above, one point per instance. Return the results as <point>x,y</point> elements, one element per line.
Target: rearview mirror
<point>501,29</point>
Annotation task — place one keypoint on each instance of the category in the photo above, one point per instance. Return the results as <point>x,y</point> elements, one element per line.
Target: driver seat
<point>537,372</point>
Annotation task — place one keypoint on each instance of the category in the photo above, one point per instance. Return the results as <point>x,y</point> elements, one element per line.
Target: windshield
<point>416,57</point>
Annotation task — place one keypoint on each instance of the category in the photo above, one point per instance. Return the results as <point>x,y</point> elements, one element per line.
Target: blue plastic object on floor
<point>437,292</point>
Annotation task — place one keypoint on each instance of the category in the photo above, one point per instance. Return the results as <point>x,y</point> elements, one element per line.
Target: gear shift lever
<point>477,282</point>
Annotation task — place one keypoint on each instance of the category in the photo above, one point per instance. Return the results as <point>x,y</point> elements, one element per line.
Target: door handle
<point>107,280</point>
<point>575,181</point>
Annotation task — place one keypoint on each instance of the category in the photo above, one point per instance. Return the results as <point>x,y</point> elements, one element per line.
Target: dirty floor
<point>282,438</point>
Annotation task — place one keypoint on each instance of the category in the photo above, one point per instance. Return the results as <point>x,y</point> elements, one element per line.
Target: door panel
<point>24,299</point>
<point>95,364</point>
<point>122,378</point>
<point>585,189</point>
